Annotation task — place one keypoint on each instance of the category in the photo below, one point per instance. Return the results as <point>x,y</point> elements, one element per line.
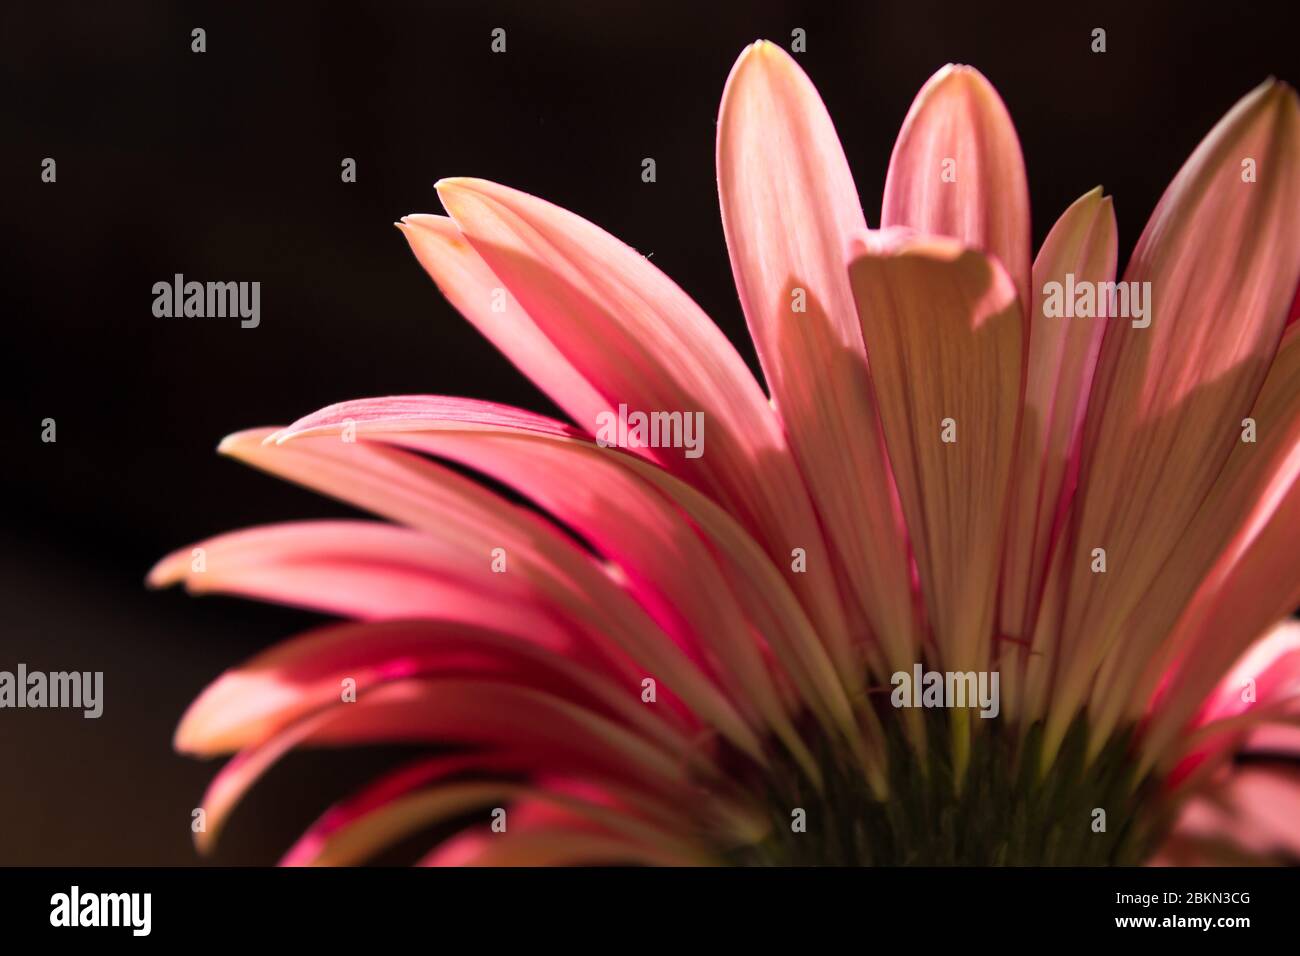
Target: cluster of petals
<point>525,673</point>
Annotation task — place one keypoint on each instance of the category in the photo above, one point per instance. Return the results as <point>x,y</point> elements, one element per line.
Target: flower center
<point>1004,813</point>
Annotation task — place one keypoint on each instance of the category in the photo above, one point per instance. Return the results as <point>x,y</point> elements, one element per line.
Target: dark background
<point>225,166</point>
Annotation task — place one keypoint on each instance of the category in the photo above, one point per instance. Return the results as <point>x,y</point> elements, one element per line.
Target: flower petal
<point>1062,356</point>
<point>641,341</point>
<point>379,829</point>
<point>789,206</point>
<point>595,828</point>
<point>609,498</point>
<point>957,170</point>
<point>564,736</point>
<point>1252,816</point>
<point>396,784</point>
<point>1222,258</point>
<point>349,822</point>
<point>945,339</point>
<point>1264,682</point>
<point>471,286</point>
<point>1255,585</point>
<point>296,678</point>
<point>543,567</point>
<point>360,569</point>
<point>1245,498</point>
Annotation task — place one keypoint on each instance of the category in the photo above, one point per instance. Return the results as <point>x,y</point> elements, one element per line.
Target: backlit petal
<point>957,171</point>
<point>789,207</point>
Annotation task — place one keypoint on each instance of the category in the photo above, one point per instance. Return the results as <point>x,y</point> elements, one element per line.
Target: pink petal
<point>1062,356</point>
<point>1246,497</point>
<point>1276,740</point>
<point>294,679</point>
<point>789,207</point>
<point>625,508</point>
<point>945,339</point>
<point>351,821</point>
<point>544,569</point>
<point>361,569</point>
<point>529,814</point>
<point>481,297</point>
<point>313,844</point>
<point>587,816</point>
<point>1222,258</point>
<point>641,341</point>
<point>1271,665</point>
<point>957,171</point>
<point>1255,811</point>
<point>566,736</point>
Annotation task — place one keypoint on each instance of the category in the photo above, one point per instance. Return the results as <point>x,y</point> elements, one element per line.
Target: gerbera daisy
<point>650,656</point>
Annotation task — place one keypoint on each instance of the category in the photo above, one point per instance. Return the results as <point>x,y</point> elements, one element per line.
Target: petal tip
<point>168,571</point>
<point>460,194</point>
<point>960,79</point>
<point>237,444</point>
<point>451,185</point>
<point>762,54</point>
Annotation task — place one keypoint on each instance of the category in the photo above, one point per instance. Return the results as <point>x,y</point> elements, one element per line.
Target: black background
<point>225,166</point>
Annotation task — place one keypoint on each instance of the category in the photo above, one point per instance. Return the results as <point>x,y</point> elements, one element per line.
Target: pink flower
<point>1082,494</point>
